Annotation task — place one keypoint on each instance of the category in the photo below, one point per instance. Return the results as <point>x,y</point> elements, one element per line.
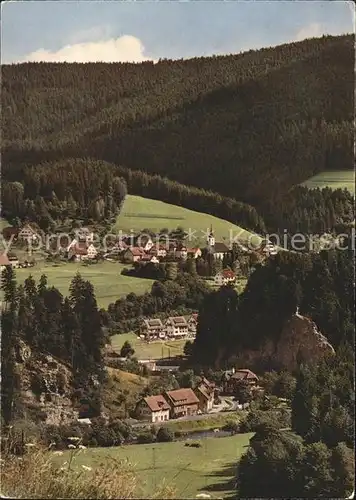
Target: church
<point>219,250</point>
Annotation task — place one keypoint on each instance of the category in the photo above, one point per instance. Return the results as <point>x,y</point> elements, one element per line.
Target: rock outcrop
<point>299,341</point>
<point>45,387</point>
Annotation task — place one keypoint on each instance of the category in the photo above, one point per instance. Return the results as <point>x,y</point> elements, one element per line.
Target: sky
<point>133,31</point>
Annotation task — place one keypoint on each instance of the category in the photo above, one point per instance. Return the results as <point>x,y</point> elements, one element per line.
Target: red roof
<point>182,397</point>
<point>80,248</point>
<point>137,251</point>
<point>156,403</point>
<point>193,250</point>
<point>227,273</point>
<point>244,374</point>
<point>4,261</point>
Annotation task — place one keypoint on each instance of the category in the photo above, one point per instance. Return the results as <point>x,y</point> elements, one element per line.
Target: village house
<point>84,234</point>
<point>205,392</point>
<point>82,251</point>
<point>183,402</point>
<point>192,324</point>
<point>152,329</point>
<point>158,251</point>
<point>27,233</point>
<point>177,327</point>
<point>14,260</point>
<point>153,408</point>
<point>4,261</point>
<point>150,258</point>
<point>225,277</point>
<point>232,379</point>
<point>141,241</point>
<point>194,253</point>
<point>219,250</point>
<point>133,254</point>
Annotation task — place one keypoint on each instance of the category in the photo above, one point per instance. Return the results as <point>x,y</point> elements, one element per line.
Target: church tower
<point>211,238</point>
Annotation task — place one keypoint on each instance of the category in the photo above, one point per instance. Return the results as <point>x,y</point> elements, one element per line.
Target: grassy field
<point>209,469</point>
<point>216,421</point>
<point>153,350</point>
<point>142,213</point>
<point>333,179</point>
<point>109,284</point>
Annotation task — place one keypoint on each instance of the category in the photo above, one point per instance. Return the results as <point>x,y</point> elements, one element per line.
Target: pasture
<point>109,284</point>
<point>140,213</point>
<point>153,350</point>
<point>209,469</point>
<point>342,179</point>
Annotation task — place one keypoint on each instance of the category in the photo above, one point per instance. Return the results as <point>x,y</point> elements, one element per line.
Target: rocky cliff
<point>45,386</point>
<point>299,341</point>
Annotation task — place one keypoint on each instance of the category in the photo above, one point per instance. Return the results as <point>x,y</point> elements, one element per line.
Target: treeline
<point>315,459</point>
<point>68,328</point>
<point>320,284</point>
<point>249,126</point>
<point>51,193</point>
<point>178,294</point>
<point>311,211</point>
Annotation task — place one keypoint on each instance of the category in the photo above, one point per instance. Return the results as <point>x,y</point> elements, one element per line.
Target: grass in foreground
<point>342,179</point>
<point>143,213</point>
<point>36,475</point>
<point>189,471</point>
<point>152,350</point>
<point>109,284</point>
<point>212,421</point>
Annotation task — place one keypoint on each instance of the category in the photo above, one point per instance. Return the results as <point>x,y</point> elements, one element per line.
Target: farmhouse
<point>150,258</point>
<point>14,260</point>
<point>134,254</point>
<point>153,408</point>
<point>183,402</point>
<point>231,380</point>
<point>152,329</point>
<point>176,327</point>
<point>27,233</point>
<point>192,324</point>
<point>142,241</point>
<point>194,253</point>
<point>4,261</point>
<point>205,392</point>
<point>225,277</point>
<point>82,251</point>
<point>158,251</point>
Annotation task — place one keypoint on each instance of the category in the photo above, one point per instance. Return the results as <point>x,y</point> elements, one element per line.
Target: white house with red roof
<point>82,251</point>
<point>225,277</point>
<point>153,408</point>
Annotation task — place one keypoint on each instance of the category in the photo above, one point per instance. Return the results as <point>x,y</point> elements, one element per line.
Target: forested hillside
<point>249,126</point>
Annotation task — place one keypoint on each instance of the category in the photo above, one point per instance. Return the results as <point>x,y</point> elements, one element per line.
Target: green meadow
<point>341,179</point>
<point>153,350</point>
<point>142,213</point>
<point>210,469</point>
<point>109,284</point>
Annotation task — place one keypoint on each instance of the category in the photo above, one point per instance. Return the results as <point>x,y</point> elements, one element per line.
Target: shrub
<point>145,437</point>
<point>164,435</point>
<point>232,426</point>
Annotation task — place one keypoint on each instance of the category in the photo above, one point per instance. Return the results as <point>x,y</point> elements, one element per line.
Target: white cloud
<point>124,49</point>
<point>310,31</point>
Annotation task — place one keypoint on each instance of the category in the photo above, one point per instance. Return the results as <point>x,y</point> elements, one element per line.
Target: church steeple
<point>211,238</point>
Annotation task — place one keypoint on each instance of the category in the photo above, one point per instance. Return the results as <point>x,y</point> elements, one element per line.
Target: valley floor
<point>209,469</point>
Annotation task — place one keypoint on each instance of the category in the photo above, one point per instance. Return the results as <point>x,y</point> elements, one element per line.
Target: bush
<point>232,426</point>
<point>277,419</point>
<point>164,435</point>
<point>145,437</point>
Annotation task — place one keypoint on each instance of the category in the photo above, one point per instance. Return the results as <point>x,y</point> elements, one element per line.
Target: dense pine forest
<point>263,120</point>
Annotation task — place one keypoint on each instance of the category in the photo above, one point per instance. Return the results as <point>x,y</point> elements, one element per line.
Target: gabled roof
<point>182,397</point>
<point>156,403</point>
<point>137,251</point>
<point>227,273</point>
<point>4,261</point>
<point>244,374</point>
<point>220,248</point>
<point>178,320</point>
<point>153,323</point>
<point>202,389</point>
